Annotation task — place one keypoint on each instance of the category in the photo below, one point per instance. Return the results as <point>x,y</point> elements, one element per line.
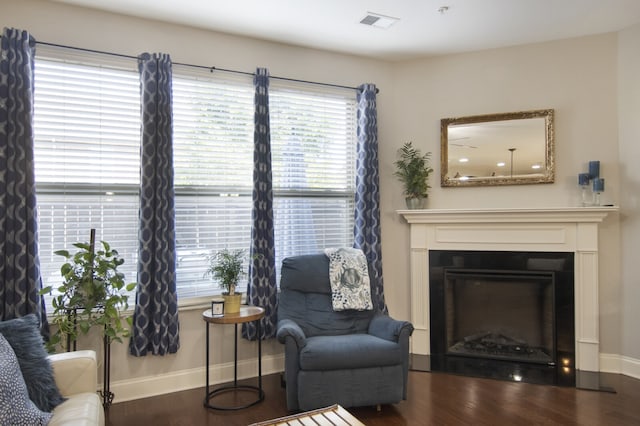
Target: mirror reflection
<point>498,149</point>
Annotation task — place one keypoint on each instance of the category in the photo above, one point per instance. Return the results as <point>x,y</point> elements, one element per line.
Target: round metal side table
<point>246,314</point>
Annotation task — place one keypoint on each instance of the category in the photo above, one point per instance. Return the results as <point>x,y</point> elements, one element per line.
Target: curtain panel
<point>367,197</point>
<point>19,263</point>
<point>262,290</point>
<point>155,319</point>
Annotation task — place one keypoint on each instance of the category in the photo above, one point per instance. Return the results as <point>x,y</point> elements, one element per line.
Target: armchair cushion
<point>69,378</point>
<point>15,406</point>
<point>23,334</point>
<point>348,351</point>
<point>307,273</point>
<point>314,314</point>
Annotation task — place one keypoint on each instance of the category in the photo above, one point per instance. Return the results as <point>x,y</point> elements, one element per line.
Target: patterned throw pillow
<point>23,334</point>
<point>15,406</point>
<point>349,277</point>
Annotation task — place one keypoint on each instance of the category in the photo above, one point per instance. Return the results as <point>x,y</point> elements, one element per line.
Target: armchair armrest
<point>291,335</point>
<point>288,328</point>
<point>387,328</point>
<point>75,372</point>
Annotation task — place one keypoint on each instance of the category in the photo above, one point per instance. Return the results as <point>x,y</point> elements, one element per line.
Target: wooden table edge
<point>246,314</point>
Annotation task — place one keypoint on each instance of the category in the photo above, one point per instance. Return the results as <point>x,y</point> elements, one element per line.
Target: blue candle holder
<point>598,187</point>
<point>594,169</point>
<point>583,181</point>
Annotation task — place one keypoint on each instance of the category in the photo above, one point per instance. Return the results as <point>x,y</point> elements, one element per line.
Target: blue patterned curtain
<point>155,319</point>
<point>367,211</point>
<point>20,278</point>
<point>262,290</point>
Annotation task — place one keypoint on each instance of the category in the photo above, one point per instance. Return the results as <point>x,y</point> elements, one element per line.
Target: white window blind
<point>87,143</point>
<point>313,157</point>
<point>213,160</point>
<point>313,141</point>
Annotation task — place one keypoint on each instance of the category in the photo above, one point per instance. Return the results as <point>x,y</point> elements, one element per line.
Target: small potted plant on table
<point>226,267</point>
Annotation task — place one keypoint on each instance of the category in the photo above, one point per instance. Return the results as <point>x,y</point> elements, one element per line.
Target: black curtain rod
<point>211,69</point>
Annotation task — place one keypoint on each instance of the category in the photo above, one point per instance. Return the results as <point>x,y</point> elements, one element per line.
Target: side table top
<point>246,314</point>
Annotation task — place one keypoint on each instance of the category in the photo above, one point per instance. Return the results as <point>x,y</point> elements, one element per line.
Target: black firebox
<point>503,315</point>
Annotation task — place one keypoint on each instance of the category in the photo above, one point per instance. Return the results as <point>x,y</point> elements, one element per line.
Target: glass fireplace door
<point>502,315</point>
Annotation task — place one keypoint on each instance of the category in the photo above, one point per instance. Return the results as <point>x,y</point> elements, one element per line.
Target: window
<point>313,159</point>
<point>87,142</point>
<point>313,142</point>
<point>213,161</point>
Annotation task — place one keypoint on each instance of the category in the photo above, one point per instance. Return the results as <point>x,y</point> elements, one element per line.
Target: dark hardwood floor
<point>434,399</point>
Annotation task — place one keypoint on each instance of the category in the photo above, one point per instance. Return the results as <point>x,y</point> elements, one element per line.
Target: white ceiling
<point>467,25</point>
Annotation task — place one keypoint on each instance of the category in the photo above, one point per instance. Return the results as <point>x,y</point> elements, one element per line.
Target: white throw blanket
<point>349,277</point>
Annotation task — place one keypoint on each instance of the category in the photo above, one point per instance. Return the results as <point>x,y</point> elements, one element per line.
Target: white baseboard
<point>143,387</point>
<point>613,363</point>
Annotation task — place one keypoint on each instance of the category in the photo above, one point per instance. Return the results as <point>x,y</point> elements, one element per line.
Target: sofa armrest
<point>75,372</point>
<point>387,328</point>
<point>288,328</point>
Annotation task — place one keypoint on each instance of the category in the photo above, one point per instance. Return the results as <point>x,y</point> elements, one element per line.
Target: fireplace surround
<point>505,315</point>
<point>571,230</point>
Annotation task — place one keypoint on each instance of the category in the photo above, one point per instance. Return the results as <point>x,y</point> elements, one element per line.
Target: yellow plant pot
<point>232,303</point>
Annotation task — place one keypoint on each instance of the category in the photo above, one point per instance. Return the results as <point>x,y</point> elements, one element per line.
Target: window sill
<point>185,305</point>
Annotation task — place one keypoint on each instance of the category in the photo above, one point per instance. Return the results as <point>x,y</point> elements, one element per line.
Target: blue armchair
<point>351,358</point>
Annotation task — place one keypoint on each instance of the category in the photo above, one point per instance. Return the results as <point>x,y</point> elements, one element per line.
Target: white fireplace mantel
<point>561,229</point>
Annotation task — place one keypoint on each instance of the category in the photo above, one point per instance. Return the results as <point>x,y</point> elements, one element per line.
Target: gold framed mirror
<point>513,148</point>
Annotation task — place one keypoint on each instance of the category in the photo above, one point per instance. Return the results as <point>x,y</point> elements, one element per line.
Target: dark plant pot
<point>416,203</point>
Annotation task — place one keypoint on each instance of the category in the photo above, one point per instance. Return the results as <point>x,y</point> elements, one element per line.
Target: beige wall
<point>629,119</point>
<point>578,78</point>
<point>575,77</point>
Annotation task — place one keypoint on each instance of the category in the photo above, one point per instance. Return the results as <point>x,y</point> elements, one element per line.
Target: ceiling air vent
<point>377,20</point>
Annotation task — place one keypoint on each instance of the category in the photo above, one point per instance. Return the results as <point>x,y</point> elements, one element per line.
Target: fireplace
<point>506,315</point>
<point>571,231</point>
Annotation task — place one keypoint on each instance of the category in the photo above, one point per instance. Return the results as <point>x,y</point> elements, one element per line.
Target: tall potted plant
<point>92,293</point>
<point>226,267</point>
<point>413,170</point>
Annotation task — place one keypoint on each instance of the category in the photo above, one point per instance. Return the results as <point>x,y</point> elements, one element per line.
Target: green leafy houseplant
<point>413,170</point>
<point>91,294</point>
<point>225,267</point>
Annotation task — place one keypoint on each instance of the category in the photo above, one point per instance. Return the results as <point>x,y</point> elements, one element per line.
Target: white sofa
<point>76,374</point>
